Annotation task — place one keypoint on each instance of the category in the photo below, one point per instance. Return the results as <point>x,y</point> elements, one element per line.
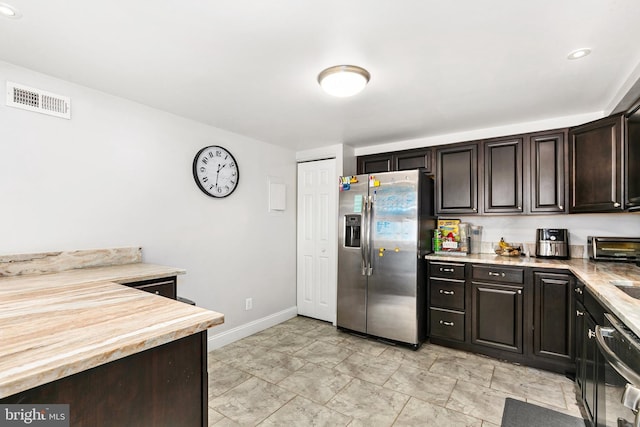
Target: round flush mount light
<point>579,53</point>
<point>343,80</point>
<point>9,11</point>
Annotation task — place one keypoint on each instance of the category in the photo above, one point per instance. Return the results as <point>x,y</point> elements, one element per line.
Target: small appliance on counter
<point>624,249</point>
<point>552,243</point>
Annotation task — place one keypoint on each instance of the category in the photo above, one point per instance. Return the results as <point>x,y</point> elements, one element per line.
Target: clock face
<point>215,171</point>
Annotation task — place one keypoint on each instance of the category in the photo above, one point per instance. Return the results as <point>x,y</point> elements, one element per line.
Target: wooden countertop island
<point>115,354</point>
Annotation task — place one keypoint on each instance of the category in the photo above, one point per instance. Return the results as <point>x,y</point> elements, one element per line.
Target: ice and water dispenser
<point>352,231</point>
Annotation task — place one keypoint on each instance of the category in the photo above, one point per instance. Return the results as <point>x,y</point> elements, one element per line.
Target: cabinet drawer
<point>447,270</point>
<point>497,273</point>
<point>447,294</point>
<point>447,324</point>
<point>165,289</point>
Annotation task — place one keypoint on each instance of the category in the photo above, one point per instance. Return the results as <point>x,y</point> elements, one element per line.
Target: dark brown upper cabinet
<point>396,161</point>
<point>503,175</point>
<point>632,162</point>
<point>548,170</point>
<point>413,159</point>
<point>595,166</point>
<point>457,179</point>
<point>375,163</point>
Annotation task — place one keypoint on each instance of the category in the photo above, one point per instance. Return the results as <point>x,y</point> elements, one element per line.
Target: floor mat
<point>522,414</point>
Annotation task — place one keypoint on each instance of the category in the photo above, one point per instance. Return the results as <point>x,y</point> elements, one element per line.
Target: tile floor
<point>304,372</point>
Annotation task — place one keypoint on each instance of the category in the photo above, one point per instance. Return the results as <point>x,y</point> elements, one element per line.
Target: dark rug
<point>522,414</point>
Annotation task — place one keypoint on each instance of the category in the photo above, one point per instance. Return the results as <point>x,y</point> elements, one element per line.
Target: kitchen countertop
<point>55,325</point>
<point>595,275</point>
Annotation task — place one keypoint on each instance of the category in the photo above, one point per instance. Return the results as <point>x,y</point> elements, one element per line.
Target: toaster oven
<point>614,248</point>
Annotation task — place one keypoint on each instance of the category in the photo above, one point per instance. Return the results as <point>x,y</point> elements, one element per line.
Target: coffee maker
<point>552,243</point>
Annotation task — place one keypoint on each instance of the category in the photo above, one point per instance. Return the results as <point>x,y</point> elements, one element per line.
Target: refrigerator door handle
<point>369,207</point>
<point>363,242</point>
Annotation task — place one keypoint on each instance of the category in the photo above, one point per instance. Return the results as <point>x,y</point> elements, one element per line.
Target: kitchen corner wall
<point>118,174</point>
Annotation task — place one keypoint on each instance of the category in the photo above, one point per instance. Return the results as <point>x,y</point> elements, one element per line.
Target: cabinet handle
<point>157,292</point>
<point>445,323</point>
<point>442,291</point>
<point>591,334</point>
<point>519,208</point>
<point>579,313</point>
<point>561,207</point>
<point>519,292</point>
<point>578,291</point>
<point>616,205</point>
<point>446,270</point>
<point>491,273</point>
<point>475,210</point>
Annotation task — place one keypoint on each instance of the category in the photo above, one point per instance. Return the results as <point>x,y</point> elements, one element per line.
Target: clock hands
<point>218,172</point>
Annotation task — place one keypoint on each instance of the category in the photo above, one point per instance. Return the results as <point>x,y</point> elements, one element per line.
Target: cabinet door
<point>580,357</point>
<point>632,163</point>
<point>375,163</point>
<point>595,178</point>
<point>503,176</point>
<point>548,172</point>
<point>497,316</point>
<point>590,378</point>
<point>553,316</point>
<point>413,159</point>
<point>457,179</point>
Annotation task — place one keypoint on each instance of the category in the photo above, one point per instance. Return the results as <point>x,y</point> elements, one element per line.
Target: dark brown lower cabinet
<point>497,316</point>
<point>166,286</point>
<point>553,316</point>
<point>590,365</point>
<point>522,314</point>
<point>162,386</point>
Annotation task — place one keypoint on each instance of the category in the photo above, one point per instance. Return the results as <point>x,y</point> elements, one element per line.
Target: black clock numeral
<point>205,179</point>
<point>211,187</point>
<point>210,154</point>
<point>205,160</point>
<point>218,153</point>
<point>219,190</point>
<point>203,169</point>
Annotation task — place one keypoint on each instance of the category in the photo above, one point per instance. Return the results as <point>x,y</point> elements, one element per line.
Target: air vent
<point>40,101</point>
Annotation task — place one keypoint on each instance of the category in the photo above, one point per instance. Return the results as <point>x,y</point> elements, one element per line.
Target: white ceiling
<point>250,66</point>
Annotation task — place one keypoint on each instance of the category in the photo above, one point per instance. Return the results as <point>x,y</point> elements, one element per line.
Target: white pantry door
<point>317,239</point>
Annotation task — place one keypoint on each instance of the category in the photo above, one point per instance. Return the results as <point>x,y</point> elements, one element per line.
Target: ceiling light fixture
<point>579,53</point>
<point>9,11</point>
<point>343,80</point>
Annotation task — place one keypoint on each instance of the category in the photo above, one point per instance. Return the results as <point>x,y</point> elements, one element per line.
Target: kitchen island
<point>115,354</point>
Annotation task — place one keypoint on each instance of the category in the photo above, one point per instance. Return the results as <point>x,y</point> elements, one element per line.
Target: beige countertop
<point>597,276</point>
<point>55,325</point>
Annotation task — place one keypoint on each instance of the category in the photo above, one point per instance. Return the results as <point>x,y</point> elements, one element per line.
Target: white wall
<point>522,229</point>
<point>119,174</point>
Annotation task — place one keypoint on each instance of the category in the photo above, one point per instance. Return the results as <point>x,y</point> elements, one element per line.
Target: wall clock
<point>215,171</point>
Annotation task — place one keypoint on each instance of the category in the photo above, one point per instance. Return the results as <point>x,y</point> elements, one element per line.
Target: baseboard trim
<point>242,331</point>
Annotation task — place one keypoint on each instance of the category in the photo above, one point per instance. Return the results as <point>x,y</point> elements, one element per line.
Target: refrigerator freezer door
<point>352,283</point>
<point>392,291</point>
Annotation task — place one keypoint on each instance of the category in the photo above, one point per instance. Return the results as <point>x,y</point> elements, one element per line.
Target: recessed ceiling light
<point>9,11</point>
<point>579,53</point>
<point>343,80</point>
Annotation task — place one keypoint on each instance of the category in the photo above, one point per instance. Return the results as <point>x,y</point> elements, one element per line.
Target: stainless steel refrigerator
<point>385,227</point>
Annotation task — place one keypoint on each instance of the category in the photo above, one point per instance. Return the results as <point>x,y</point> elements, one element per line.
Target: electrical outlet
<point>248,304</point>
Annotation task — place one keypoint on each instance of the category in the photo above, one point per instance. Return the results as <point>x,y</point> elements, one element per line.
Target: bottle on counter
<point>437,240</point>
